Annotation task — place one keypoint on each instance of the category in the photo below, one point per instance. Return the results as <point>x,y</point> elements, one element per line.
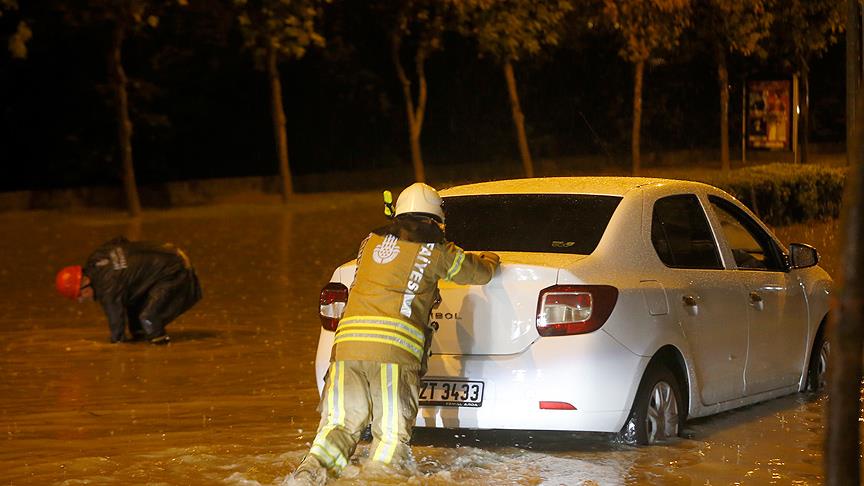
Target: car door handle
<point>691,305</point>
<point>756,301</point>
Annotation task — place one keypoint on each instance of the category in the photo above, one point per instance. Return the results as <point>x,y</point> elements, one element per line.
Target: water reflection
<point>232,399</point>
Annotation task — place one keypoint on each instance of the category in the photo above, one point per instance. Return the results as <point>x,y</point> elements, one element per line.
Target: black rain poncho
<point>143,284</point>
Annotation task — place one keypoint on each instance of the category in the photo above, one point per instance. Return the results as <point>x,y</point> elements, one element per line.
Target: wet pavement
<point>232,399</point>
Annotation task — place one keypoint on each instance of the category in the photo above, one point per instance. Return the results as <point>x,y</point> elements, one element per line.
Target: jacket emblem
<point>118,258</point>
<point>386,251</point>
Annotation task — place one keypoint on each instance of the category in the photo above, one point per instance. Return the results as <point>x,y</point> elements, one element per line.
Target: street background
<point>232,399</point>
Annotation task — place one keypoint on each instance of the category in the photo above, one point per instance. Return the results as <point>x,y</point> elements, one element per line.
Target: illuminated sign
<point>769,114</point>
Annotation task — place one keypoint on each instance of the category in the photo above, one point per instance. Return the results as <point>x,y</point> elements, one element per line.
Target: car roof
<point>602,185</point>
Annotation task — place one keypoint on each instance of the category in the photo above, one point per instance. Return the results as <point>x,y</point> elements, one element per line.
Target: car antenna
<point>389,210</point>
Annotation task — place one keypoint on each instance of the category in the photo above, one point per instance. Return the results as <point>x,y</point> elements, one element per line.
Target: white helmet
<point>420,198</point>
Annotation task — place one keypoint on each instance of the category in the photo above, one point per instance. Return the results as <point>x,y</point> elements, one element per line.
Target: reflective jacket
<point>395,286</point>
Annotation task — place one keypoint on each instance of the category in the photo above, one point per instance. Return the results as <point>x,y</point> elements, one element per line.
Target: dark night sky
<point>201,109</point>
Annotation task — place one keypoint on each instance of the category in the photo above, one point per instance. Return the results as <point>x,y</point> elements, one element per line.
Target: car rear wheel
<point>656,412</point>
<point>817,371</point>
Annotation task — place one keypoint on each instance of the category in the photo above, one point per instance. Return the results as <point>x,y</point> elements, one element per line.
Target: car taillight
<point>563,310</point>
<point>334,296</point>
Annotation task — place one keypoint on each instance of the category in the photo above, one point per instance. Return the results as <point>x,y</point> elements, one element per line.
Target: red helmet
<point>68,282</point>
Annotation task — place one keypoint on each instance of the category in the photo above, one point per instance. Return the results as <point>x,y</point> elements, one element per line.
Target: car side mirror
<point>802,256</point>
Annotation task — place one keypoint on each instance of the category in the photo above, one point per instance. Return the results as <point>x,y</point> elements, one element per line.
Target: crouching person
<point>139,284</point>
<point>380,341</point>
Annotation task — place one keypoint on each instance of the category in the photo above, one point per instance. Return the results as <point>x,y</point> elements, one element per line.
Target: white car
<point>621,305</point>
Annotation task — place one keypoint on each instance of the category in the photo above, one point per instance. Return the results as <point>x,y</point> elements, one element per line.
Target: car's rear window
<point>546,223</point>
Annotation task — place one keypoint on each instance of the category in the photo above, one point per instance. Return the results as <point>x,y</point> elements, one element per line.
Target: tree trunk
<point>414,116</point>
<point>804,120</point>
<point>518,119</point>
<point>853,72</point>
<point>723,85</point>
<point>124,124</point>
<point>419,115</point>
<point>278,113</point>
<point>842,442</point>
<point>637,116</point>
<point>846,330</point>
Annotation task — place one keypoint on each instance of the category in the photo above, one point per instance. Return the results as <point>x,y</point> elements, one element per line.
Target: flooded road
<point>232,399</point>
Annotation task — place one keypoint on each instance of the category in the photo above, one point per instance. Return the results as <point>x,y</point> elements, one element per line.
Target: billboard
<point>769,114</point>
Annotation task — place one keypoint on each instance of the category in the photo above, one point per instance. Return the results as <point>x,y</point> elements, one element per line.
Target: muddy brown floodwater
<point>232,399</point>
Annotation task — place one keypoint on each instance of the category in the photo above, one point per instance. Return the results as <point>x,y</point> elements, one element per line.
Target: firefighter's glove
<point>491,257</point>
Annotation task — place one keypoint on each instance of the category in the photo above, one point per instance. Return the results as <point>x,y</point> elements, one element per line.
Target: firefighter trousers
<point>356,392</point>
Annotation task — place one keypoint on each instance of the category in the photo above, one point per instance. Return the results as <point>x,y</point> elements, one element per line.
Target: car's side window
<point>751,246</point>
<point>681,235</point>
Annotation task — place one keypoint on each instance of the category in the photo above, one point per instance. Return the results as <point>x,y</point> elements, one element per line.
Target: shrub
<point>786,193</point>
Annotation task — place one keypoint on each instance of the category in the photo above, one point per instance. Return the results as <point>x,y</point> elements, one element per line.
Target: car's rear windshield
<point>545,223</point>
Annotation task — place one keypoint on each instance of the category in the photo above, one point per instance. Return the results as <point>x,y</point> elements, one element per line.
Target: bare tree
<point>275,30</point>
<point>646,27</point>
<point>509,31</point>
<point>730,26</point>
<point>125,18</point>
<point>417,26</point>
<point>804,29</point>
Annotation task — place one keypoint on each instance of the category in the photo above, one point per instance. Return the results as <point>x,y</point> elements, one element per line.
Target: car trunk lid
<point>499,317</point>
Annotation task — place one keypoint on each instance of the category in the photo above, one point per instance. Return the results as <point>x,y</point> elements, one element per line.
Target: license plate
<point>451,393</point>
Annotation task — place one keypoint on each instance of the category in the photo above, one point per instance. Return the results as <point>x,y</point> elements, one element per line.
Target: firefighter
<point>382,340</point>
<point>139,284</point>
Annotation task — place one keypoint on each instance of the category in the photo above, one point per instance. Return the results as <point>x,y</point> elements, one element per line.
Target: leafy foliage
<point>647,26</point>
<point>18,40</point>
<point>805,28</point>
<point>512,29</point>
<point>135,14</point>
<point>8,5</point>
<point>288,26</point>
<point>424,21</point>
<point>737,26</point>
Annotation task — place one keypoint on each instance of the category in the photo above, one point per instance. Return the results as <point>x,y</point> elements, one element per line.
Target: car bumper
<point>592,372</point>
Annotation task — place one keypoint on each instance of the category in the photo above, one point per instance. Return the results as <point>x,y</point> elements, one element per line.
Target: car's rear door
<point>776,306</point>
<point>708,299</point>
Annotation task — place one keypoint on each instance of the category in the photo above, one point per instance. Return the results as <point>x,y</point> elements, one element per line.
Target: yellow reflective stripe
<point>390,411</point>
<point>385,407</point>
<point>394,428</point>
<point>402,344</point>
<point>341,393</point>
<point>325,452</point>
<point>330,393</point>
<point>381,320</point>
<point>408,330</point>
<point>384,334</point>
<point>335,403</point>
<point>372,338</point>
<point>456,266</point>
<point>372,327</point>
<point>327,456</point>
<point>413,352</point>
<point>323,456</point>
